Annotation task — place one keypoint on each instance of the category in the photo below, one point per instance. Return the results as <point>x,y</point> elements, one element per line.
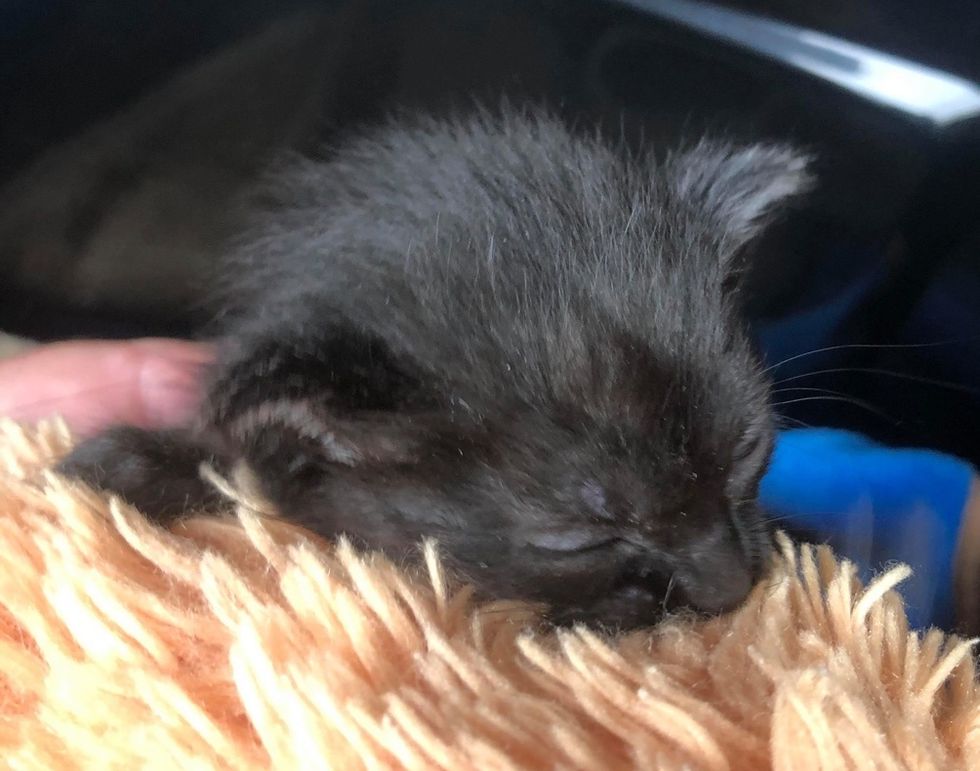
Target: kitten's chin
<point>629,609</point>
<point>635,607</point>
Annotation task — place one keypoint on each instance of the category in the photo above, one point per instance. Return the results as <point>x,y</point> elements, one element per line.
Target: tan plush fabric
<point>244,645</point>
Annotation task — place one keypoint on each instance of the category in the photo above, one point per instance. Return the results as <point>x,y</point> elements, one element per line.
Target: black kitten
<point>515,339</point>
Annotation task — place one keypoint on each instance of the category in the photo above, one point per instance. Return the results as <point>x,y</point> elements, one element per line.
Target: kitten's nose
<point>718,593</point>
<point>719,575</point>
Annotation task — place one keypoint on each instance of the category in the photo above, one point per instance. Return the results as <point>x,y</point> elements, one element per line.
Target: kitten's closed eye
<point>570,541</point>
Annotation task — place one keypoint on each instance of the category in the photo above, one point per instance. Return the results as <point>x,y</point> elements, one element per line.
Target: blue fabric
<point>875,505</point>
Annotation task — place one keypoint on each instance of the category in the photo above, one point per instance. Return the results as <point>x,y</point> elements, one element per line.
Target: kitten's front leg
<point>242,419</point>
<point>158,472</point>
<point>300,403</point>
<point>291,407</point>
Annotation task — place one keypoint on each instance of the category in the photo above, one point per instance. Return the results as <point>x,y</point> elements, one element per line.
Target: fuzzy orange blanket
<point>244,644</point>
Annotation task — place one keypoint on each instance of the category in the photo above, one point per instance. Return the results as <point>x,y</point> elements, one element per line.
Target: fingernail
<point>170,390</point>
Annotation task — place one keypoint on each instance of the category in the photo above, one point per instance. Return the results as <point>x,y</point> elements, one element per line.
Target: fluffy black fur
<point>514,338</point>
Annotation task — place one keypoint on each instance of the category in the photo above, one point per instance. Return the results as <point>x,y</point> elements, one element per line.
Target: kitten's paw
<point>155,471</point>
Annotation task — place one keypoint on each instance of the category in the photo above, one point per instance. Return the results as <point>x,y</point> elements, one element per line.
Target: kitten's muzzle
<point>717,574</point>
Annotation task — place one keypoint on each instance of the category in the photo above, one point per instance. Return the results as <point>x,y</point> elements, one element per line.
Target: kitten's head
<point>628,484</point>
<point>637,500</point>
<point>636,497</point>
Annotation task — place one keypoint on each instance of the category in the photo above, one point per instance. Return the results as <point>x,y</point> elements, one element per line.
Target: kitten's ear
<point>323,365</point>
<point>738,188</point>
<point>291,447</point>
<point>297,432</point>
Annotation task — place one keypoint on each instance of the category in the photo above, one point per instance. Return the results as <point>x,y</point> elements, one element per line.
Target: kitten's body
<point>515,339</point>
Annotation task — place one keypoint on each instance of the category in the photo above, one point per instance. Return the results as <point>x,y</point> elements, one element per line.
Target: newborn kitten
<point>520,341</point>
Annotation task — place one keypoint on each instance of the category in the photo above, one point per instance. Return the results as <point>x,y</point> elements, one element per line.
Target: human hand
<point>151,383</point>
